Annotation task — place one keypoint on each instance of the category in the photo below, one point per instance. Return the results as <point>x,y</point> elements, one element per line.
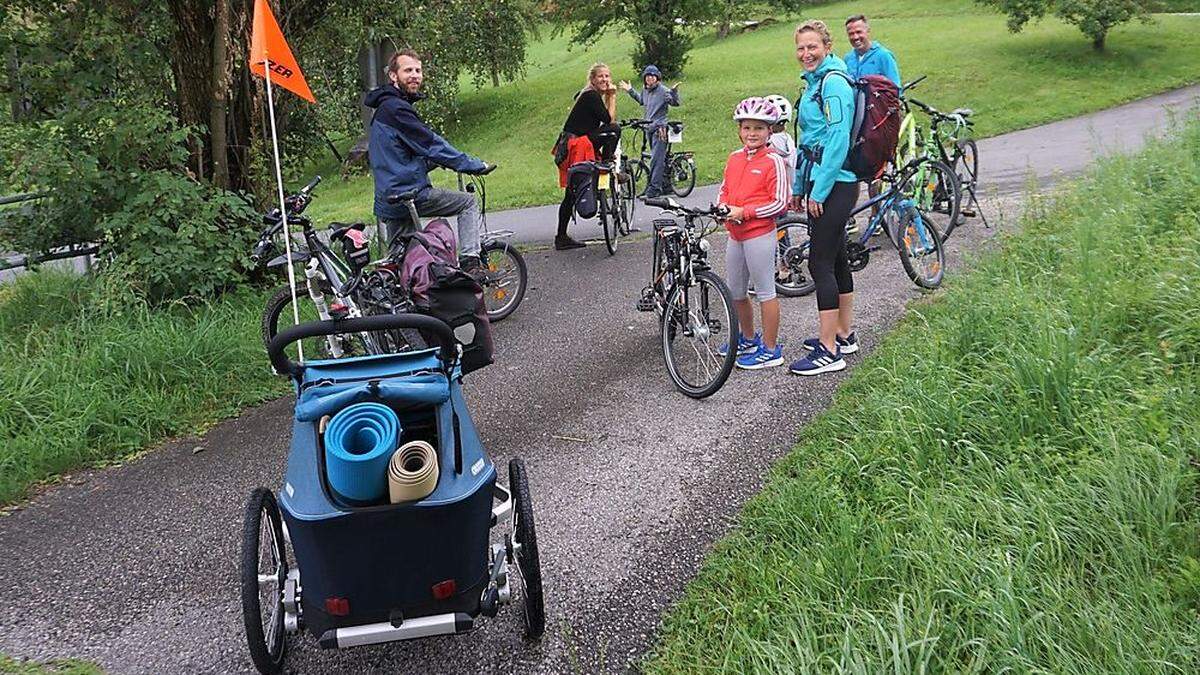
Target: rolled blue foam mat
<point>359,442</point>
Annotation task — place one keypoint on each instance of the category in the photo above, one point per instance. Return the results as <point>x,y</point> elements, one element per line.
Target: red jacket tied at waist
<point>579,149</point>
<point>756,181</point>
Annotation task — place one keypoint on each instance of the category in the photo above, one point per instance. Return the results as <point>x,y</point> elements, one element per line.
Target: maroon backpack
<point>876,130</point>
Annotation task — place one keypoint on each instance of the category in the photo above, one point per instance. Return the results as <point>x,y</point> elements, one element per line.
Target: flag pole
<point>287,233</point>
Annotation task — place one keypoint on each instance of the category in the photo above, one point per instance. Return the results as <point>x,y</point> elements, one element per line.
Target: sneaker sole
<point>831,368</point>
<point>766,364</point>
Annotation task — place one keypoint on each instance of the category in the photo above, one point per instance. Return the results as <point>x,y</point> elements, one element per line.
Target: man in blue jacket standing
<point>655,98</point>
<point>402,150</point>
<point>867,57</point>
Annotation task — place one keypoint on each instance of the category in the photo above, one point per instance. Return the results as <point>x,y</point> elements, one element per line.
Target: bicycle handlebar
<point>311,184</point>
<point>912,84</point>
<point>669,204</point>
<point>285,366</point>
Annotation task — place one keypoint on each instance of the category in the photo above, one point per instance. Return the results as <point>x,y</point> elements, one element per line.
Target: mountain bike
<point>694,305</point>
<point>935,187</point>
<point>951,143</point>
<point>916,238</point>
<point>333,287</point>
<point>680,166</point>
<point>506,276</point>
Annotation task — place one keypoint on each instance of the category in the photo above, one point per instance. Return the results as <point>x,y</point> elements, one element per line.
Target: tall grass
<point>85,380</point>
<point>1009,481</point>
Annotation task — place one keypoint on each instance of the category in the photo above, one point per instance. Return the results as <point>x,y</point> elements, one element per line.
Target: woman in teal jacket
<point>827,191</point>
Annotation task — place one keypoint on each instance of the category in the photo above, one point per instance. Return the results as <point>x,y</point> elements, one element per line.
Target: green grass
<point>1046,73</point>
<point>11,666</point>
<point>84,382</point>
<point>1009,482</point>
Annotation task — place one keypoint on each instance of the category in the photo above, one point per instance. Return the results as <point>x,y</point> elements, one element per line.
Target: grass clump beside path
<point>1046,73</point>
<point>1009,482</point>
<point>84,382</point>
<point>10,666</point>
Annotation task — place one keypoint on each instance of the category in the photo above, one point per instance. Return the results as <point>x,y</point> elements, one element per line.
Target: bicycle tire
<point>683,176</point>
<point>718,330</point>
<point>640,175</point>
<point>912,242</point>
<point>628,199</point>
<point>277,313</point>
<point>944,196</point>
<point>792,278</point>
<point>493,254</point>
<point>267,644</point>
<point>966,163</point>
<point>529,564</point>
<point>608,222</point>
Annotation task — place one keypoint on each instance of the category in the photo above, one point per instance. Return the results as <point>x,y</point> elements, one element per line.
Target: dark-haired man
<point>868,57</point>
<point>402,150</point>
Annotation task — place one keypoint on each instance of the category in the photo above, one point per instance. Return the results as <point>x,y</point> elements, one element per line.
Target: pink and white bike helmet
<point>756,108</point>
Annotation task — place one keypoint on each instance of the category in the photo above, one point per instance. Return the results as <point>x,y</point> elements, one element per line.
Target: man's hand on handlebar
<point>487,168</point>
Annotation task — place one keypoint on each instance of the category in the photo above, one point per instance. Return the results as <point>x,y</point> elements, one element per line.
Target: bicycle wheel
<point>938,194</point>
<point>966,164</point>
<point>791,274</point>
<point>696,321</point>
<point>608,221</point>
<point>921,251</point>
<point>528,564</point>
<point>639,173</point>
<point>264,570</point>
<point>278,315</point>
<point>506,279</point>
<point>683,175</point>
<point>626,189</point>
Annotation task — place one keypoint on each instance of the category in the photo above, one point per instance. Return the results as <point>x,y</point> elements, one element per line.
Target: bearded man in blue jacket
<point>403,149</point>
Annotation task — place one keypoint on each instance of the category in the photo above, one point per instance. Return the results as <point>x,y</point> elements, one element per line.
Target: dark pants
<point>827,261</point>
<point>658,164</point>
<point>565,209</point>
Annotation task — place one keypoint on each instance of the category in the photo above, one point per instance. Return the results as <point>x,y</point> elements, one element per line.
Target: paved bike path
<point>136,567</point>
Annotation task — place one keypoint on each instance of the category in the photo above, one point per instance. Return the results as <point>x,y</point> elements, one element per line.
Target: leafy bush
<point>112,176</point>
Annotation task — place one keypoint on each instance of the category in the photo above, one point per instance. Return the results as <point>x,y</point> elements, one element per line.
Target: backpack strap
<point>819,97</point>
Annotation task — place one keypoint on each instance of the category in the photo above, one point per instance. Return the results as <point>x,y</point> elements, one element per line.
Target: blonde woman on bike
<point>589,133</point>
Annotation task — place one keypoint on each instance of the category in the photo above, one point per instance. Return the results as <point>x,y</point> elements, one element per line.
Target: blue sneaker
<point>761,358</point>
<point>744,346</point>
<point>846,345</point>
<point>818,361</point>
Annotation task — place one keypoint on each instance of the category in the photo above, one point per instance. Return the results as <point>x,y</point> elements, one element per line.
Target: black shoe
<point>473,266</point>
<point>567,243</point>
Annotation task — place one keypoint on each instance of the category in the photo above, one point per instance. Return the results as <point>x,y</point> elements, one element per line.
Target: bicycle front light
<point>705,246</point>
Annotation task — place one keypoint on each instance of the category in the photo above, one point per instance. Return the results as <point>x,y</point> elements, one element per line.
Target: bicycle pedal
<point>645,305</point>
<point>873,248</point>
<point>967,213</point>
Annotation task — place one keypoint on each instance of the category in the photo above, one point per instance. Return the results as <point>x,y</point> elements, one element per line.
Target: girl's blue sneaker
<point>818,361</point>
<point>744,346</point>
<point>761,358</point>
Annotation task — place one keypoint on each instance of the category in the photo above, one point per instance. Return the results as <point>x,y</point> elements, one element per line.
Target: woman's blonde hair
<point>816,26</point>
<point>596,68</point>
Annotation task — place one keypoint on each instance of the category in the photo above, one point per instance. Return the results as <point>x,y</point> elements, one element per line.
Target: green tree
<point>660,26</point>
<point>1094,18</point>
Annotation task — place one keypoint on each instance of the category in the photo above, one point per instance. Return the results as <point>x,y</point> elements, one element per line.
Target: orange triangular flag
<point>268,46</point>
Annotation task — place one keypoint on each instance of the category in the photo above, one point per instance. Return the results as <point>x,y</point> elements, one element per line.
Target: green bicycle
<point>935,187</point>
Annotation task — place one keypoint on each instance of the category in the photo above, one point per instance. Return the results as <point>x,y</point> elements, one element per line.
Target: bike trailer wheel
<point>696,321</point>
<point>264,570</point>
<point>506,281</point>
<point>528,565</point>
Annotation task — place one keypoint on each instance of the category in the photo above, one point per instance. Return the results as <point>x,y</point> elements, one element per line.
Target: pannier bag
<point>440,289</point>
<point>583,179</point>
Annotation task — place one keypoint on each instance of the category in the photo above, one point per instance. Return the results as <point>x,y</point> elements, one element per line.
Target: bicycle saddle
<point>965,112</point>
<point>401,197</point>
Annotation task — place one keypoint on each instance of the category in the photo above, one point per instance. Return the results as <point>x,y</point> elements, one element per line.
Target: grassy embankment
<point>81,383</point>
<point>1046,73</point>
<point>1009,483</point>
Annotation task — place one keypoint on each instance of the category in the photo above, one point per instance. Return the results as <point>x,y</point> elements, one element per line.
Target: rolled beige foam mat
<point>412,472</point>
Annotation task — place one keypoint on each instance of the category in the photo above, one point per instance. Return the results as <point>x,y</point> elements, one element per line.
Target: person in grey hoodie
<point>655,98</point>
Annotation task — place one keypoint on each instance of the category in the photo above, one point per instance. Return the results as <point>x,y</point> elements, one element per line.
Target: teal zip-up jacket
<point>878,60</point>
<point>825,129</point>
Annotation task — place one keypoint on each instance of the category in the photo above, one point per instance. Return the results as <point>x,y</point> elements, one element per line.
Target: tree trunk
<point>220,90</point>
<point>1098,40</point>
<point>191,65</point>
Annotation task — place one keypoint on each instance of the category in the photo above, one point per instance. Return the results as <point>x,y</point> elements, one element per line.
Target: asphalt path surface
<point>136,567</point>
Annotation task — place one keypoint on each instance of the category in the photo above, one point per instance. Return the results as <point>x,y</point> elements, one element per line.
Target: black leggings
<point>827,261</point>
<point>564,211</point>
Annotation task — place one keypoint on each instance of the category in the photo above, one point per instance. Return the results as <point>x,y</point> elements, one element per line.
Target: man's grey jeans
<point>438,202</point>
